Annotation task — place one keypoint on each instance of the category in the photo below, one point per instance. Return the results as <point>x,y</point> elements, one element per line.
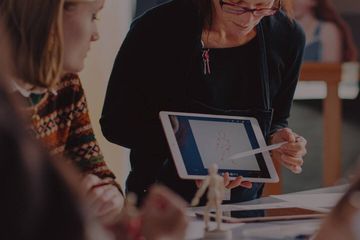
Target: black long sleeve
<point>283,99</point>
<point>124,114</point>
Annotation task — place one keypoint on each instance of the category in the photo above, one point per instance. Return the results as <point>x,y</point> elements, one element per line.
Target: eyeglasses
<point>235,8</point>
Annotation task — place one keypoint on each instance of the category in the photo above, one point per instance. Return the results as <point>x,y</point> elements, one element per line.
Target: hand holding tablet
<point>198,140</point>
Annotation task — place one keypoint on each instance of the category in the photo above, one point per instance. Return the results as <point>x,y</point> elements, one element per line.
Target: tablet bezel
<point>178,159</point>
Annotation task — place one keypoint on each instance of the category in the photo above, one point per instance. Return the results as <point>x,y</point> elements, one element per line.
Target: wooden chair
<point>331,75</point>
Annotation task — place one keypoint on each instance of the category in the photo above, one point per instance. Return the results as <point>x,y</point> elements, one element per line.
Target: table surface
<point>239,231</point>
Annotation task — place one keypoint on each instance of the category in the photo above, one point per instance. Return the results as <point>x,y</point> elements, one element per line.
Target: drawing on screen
<point>223,145</point>
<point>217,141</point>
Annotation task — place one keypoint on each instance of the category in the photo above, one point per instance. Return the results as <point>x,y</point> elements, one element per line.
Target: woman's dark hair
<point>206,10</point>
<point>325,11</point>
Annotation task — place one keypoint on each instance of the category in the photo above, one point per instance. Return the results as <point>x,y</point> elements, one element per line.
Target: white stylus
<point>256,151</point>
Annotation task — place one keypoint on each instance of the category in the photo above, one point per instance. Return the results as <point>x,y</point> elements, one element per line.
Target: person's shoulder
<point>285,25</point>
<point>329,26</point>
<point>284,31</point>
<point>166,14</point>
<point>329,30</point>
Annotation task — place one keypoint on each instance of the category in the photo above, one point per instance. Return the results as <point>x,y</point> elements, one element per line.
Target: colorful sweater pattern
<point>61,121</point>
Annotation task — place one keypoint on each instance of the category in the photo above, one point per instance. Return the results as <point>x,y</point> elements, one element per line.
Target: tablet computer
<point>198,140</point>
<point>267,215</point>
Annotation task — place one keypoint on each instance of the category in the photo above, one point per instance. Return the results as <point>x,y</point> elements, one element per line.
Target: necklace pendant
<point>206,61</point>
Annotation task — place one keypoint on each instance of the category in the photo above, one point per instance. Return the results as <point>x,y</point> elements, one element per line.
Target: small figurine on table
<point>215,196</point>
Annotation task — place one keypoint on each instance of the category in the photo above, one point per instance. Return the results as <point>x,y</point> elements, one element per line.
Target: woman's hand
<point>163,215</point>
<point>290,154</point>
<point>230,184</point>
<point>104,198</point>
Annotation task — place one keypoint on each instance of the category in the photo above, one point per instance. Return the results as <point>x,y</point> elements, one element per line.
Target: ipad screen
<point>205,140</point>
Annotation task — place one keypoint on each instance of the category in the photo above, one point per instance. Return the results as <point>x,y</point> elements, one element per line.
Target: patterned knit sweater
<point>61,121</point>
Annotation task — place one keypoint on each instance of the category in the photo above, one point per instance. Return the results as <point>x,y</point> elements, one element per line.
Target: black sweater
<point>152,73</point>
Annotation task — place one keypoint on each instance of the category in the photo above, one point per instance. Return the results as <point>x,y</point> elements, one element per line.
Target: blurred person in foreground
<point>42,198</point>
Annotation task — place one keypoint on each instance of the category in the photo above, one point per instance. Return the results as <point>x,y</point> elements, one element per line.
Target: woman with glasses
<point>218,57</point>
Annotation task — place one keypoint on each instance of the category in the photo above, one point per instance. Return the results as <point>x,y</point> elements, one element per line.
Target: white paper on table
<point>318,200</point>
<point>282,231</point>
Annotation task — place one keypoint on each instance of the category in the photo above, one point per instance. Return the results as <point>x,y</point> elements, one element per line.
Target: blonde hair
<point>35,29</point>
